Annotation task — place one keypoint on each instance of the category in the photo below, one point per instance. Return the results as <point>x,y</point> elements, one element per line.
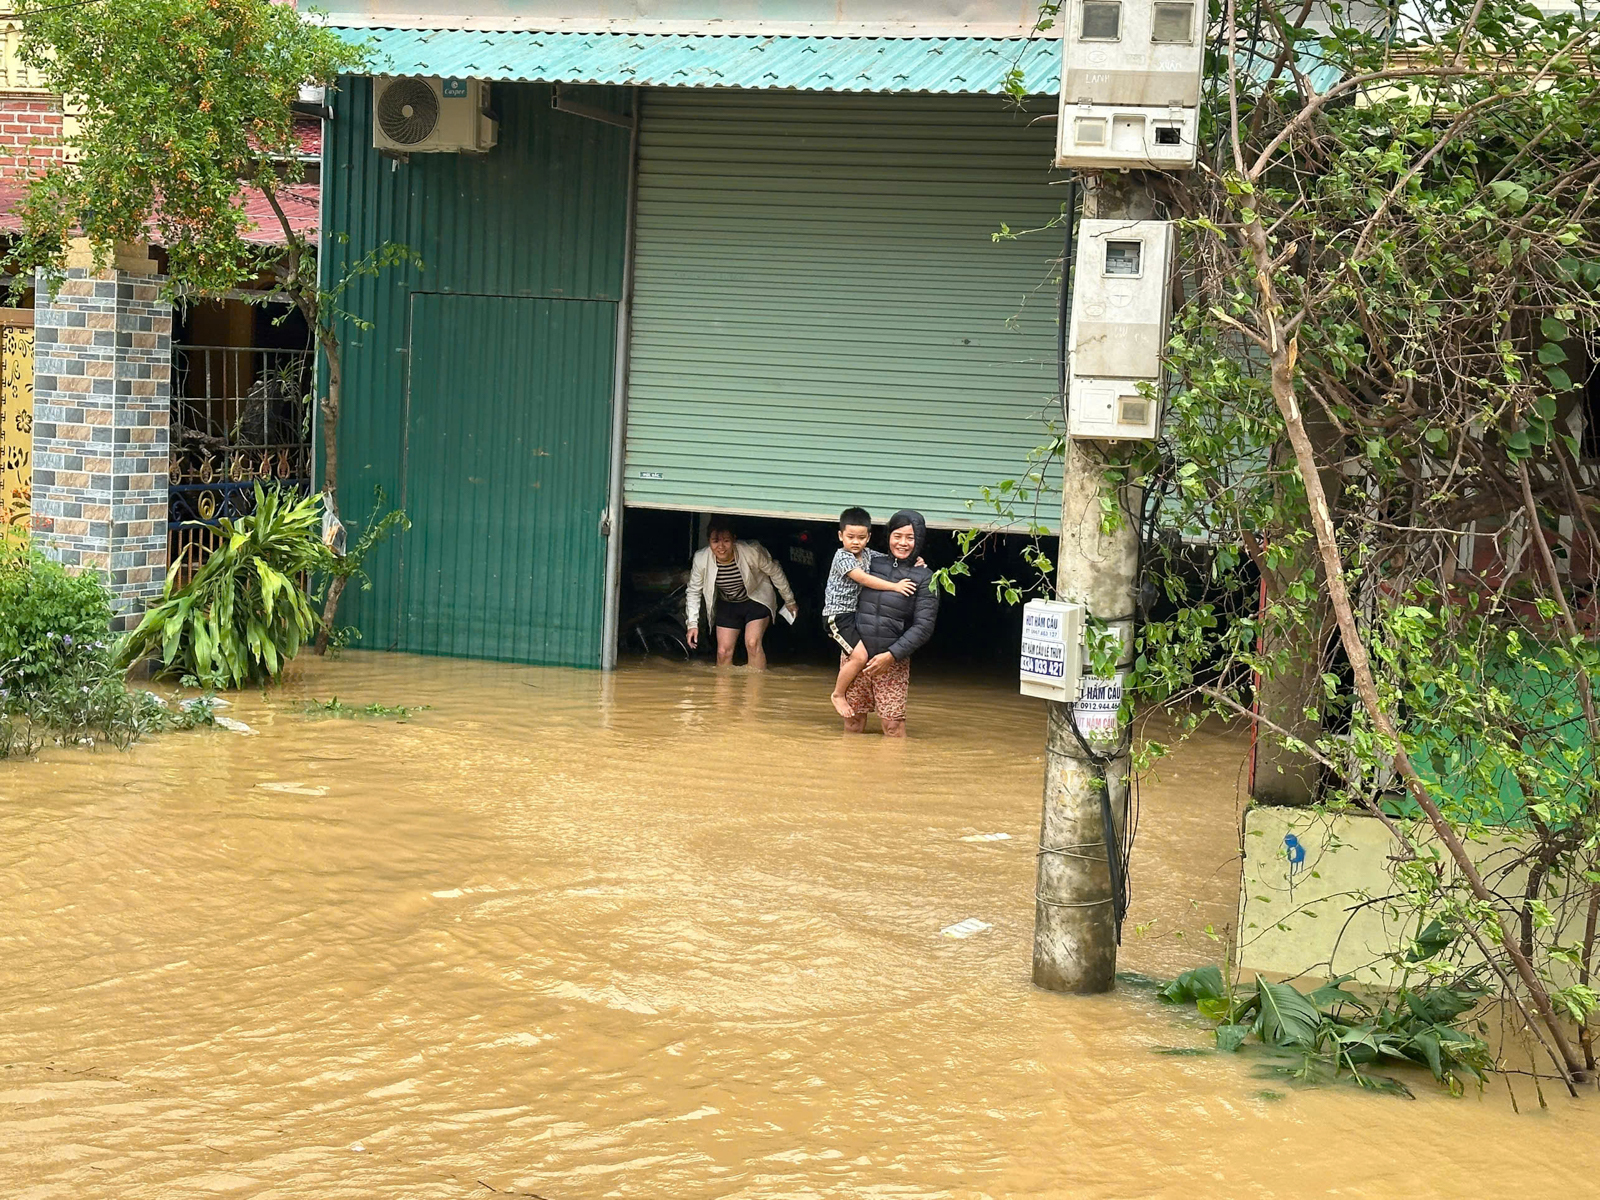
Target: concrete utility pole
<point>1074,932</point>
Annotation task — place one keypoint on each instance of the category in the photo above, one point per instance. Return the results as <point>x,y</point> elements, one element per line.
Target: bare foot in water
<point>842,706</point>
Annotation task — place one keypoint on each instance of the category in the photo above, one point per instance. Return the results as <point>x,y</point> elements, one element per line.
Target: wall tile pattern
<point>102,400</point>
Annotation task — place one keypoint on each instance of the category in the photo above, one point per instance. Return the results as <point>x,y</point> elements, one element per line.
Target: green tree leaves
<point>186,112</point>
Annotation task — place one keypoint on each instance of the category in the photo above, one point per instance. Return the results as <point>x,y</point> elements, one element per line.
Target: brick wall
<point>30,135</point>
<point>102,394</point>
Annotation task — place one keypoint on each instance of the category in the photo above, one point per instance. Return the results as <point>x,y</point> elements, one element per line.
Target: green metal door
<point>506,457</point>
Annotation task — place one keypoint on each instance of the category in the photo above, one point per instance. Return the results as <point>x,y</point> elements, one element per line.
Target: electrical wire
<point>39,12</point>
<point>1064,307</point>
<point>1119,843</point>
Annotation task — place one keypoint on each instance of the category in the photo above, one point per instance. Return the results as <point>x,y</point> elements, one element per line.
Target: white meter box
<point>1112,410</point>
<point>1052,649</point>
<point>1121,306</point>
<point>1130,84</point>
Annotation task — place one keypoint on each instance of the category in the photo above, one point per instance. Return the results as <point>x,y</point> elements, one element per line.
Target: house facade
<point>748,259</point>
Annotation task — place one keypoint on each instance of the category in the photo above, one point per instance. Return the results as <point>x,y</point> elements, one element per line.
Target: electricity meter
<point>1052,650</point>
<point>1121,305</point>
<point>1130,84</point>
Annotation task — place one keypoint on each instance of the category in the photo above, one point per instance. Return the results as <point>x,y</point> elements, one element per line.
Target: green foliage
<point>336,709</point>
<point>245,613</point>
<point>343,569</point>
<point>1332,1033</point>
<point>186,113</point>
<point>1410,267</point>
<point>186,108</point>
<point>43,612</point>
<point>59,682</point>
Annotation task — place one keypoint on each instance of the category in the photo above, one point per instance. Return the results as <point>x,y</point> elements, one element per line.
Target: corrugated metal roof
<point>810,64</point>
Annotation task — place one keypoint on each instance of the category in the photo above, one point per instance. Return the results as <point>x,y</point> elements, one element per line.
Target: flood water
<point>660,934</point>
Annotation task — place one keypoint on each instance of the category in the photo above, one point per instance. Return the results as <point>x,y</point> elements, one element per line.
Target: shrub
<point>246,612</point>
<point>58,677</point>
<point>44,611</point>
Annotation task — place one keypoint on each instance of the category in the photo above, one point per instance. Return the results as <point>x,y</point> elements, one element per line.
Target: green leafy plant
<point>59,680</point>
<point>340,570</point>
<point>246,612</point>
<point>44,609</point>
<point>336,708</point>
<point>1331,1033</point>
<point>186,115</point>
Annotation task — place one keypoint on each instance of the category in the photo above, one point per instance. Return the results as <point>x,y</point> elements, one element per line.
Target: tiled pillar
<point>102,370</point>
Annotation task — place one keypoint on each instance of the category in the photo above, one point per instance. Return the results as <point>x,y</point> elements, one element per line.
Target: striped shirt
<point>730,584</point>
<point>842,593</point>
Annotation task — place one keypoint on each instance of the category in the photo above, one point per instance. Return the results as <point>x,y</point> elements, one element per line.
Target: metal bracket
<point>588,112</point>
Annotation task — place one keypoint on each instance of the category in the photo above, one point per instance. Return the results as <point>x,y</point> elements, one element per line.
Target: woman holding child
<point>738,583</point>
<point>880,609</point>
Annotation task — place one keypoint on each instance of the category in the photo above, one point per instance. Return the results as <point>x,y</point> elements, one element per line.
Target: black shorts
<point>842,629</point>
<point>736,614</point>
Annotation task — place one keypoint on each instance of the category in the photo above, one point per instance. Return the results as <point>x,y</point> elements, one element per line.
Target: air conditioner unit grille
<point>408,111</point>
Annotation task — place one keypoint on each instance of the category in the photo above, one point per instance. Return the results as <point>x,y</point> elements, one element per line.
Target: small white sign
<point>1099,701</point>
<point>1052,639</point>
<point>987,837</point>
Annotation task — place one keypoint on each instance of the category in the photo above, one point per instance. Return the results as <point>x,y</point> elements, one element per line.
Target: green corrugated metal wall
<point>822,316</point>
<point>507,452</point>
<point>541,216</point>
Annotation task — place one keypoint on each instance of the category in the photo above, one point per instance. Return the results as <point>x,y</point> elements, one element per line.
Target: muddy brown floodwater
<point>661,934</point>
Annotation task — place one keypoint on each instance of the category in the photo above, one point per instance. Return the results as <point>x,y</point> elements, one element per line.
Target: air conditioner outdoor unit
<point>415,114</point>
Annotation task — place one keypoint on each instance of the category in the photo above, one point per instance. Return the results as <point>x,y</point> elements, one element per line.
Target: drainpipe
<point>611,521</point>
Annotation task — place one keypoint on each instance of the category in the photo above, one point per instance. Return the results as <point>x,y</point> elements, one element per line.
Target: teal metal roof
<point>808,64</point>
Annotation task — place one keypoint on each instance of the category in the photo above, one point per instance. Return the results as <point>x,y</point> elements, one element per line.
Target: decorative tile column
<point>102,398</point>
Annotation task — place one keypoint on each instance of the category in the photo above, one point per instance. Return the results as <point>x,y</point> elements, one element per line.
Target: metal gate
<point>241,415</point>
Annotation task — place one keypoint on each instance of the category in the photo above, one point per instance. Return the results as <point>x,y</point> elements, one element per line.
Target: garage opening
<point>976,630</point>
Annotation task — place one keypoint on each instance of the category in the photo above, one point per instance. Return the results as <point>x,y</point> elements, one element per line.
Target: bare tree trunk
<point>1584,1038</point>
<point>330,473</point>
<point>308,299</point>
<point>1284,775</point>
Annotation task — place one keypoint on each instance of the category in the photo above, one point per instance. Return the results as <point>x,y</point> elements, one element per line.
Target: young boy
<point>846,577</point>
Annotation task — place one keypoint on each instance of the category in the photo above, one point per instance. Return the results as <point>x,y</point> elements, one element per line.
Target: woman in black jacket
<point>893,627</point>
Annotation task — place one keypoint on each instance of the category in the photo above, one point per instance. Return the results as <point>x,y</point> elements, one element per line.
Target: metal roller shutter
<point>822,315</point>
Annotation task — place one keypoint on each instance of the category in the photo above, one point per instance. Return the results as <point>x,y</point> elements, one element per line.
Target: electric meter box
<point>1130,84</point>
<point>1121,307</point>
<point>1113,410</point>
<point>1052,650</point>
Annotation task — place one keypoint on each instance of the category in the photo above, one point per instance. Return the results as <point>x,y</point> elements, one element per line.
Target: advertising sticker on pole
<point>1099,702</point>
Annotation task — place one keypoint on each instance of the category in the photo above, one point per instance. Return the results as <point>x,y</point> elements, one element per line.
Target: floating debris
<point>965,929</point>
<point>294,789</point>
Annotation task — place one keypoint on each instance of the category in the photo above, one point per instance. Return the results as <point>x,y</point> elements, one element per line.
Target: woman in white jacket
<point>739,583</point>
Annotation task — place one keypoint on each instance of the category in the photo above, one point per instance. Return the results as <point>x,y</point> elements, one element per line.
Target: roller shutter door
<point>822,314</point>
